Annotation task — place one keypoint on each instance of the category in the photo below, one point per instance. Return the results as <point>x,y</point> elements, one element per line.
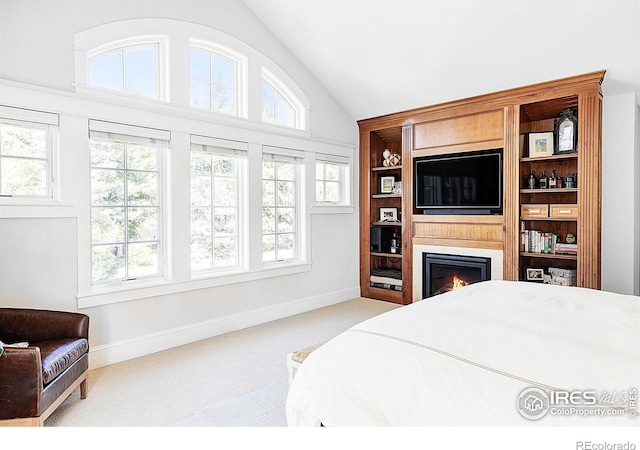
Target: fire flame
<point>458,283</point>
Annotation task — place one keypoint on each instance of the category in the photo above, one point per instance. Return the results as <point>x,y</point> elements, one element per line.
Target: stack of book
<point>534,241</point>
<point>567,249</point>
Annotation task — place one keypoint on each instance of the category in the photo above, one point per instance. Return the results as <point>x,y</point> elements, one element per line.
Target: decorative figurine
<point>532,180</point>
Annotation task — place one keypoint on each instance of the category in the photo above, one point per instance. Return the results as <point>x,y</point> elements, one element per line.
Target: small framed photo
<point>397,188</point>
<point>389,214</point>
<point>386,184</point>
<point>535,274</point>
<point>540,144</point>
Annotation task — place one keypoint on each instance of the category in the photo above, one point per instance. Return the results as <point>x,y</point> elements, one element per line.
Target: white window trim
<point>131,133</point>
<point>48,122</point>
<point>350,169</point>
<point>160,42</point>
<point>283,89</point>
<point>241,61</point>
<point>297,157</point>
<point>215,146</point>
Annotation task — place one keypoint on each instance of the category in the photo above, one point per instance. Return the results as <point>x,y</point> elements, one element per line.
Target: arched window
<point>131,66</point>
<point>215,78</point>
<point>280,106</point>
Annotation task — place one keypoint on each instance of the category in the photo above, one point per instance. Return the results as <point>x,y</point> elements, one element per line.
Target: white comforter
<point>464,357</point>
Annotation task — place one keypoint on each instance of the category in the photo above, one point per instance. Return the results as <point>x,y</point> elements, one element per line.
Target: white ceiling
<point>382,56</point>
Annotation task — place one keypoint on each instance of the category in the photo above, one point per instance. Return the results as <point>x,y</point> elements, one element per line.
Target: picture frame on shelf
<point>386,184</point>
<point>397,188</point>
<point>566,132</point>
<point>541,145</point>
<point>535,274</point>
<point>389,214</point>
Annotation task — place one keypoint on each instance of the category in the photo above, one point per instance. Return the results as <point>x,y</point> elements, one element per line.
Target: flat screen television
<point>465,183</point>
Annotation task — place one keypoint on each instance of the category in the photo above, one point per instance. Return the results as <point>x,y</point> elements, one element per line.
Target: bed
<point>483,355</point>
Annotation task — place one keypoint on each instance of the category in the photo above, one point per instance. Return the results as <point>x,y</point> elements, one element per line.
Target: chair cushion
<point>58,355</point>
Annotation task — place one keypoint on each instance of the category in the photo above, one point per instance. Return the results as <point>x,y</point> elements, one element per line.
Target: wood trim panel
<point>481,127</point>
<point>459,148</point>
<point>458,243</point>
<point>511,196</point>
<point>459,231</point>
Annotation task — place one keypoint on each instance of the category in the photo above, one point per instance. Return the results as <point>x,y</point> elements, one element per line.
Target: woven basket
<point>563,277</point>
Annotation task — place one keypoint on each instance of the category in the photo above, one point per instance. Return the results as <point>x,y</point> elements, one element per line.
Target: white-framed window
<point>282,173</point>
<point>217,189</point>
<point>332,180</point>
<point>126,202</point>
<point>280,106</point>
<point>28,142</point>
<point>216,76</point>
<point>131,66</point>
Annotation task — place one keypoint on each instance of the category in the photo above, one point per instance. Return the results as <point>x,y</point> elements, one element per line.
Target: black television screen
<point>470,181</point>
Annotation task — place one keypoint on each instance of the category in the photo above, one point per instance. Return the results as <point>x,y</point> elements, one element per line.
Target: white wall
<point>620,194</point>
<point>39,254</point>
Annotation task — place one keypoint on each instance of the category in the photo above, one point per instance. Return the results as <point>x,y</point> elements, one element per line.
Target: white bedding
<point>464,357</point>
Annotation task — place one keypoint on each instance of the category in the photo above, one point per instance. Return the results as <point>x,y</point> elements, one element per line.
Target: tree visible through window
<point>125,211</point>
<point>212,82</point>
<point>24,160</point>
<point>214,211</point>
<point>279,211</point>
<point>329,182</point>
<point>133,70</point>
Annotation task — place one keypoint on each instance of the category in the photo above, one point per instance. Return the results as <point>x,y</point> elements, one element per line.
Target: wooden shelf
<point>387,255</point>
<point>548,191</point>
<point>548,219</point>
<point>550,256</point>
<point>383,168</point>
<point>386,224</point>
<point>551,158</point>
<point>386,195</point>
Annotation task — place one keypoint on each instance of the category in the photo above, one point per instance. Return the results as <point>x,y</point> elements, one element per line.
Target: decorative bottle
<point>553,180</point>
<point>532,180</point>
<point>543,180</point>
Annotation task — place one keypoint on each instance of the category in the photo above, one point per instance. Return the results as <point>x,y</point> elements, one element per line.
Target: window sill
<point>319,208</point>
<point>109,295</point>
<point>18,208</point>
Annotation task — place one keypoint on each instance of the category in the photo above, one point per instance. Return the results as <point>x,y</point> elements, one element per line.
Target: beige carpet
<point>237,379</point>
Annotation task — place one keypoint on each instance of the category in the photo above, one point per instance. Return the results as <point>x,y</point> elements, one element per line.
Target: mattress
<point>488,354</point>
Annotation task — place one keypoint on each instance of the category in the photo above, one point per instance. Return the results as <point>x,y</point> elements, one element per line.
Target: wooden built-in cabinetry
<point>499,120</point>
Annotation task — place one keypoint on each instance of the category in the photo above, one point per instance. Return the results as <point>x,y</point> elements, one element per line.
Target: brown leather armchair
<point>36,379</point>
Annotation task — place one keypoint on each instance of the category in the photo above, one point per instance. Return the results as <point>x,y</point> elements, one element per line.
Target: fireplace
<point>443,273</point>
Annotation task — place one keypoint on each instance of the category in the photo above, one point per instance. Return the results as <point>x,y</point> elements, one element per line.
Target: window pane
<point>319,171</point>
<point>284,114</point>
<point>268,193</point>
<point>201,191</point>
<point>224,71</point>
<point>268,103</point>
<point>142,157</point>
<point>201,254</point>
<point>200,94</point>
<point>224,221</point>
<point>225,251</point>
<point>286,220</point>
<point>224,166</point>
<point>286,246</point>
<point>268,220</point>
<point>107,225</point>
<point>26,177</point>
<point>107,187</point>
<point>224,190</point>
<point>286,194</point>
<point>199,64</point>
<point>268,248</point>
<point>140,64</point>
<point>108,262</point>
<point>224,100</point>
<point>107,155</point>
<point>142,188</point>
<point>286,171</point>
<point>332,193</point>
<point>143,224</point>
<point>200,164</point>
<point>201,222</point>
<point>106,71</point>
<point>320,191</point>
<point>22,141</point>
<point>332,172</point>
<point>142,259</point>
<point>268,170</point>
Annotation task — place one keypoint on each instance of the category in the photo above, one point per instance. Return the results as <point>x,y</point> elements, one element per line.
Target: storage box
<point>564,211</point>
<point>533,211</point>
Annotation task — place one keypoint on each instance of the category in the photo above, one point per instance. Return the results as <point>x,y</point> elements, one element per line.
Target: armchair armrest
<point>20,383</point>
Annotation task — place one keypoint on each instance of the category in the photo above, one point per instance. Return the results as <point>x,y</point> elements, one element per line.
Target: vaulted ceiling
<point>382,56</point>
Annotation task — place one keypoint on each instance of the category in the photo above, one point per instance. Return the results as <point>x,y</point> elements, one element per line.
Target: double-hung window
<point>332,179</point>
<point>281,204</point>
<point>217,181</point>
<point>27,142</point>
<point>126,202</point>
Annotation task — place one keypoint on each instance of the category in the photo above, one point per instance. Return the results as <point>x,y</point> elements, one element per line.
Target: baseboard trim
<point>104,355</point>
